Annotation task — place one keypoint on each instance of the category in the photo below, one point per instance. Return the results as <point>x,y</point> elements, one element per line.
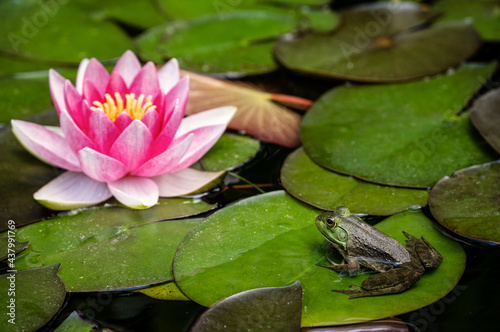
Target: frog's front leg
<point>350,266</point>
<point>390,282</point>
<point>425,252</point>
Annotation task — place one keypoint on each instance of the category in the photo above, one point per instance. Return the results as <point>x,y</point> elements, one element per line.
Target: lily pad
<point>74,323</point>
<point>240,44</point>
<point>381,42</point>
<point>10,247</point>
<point>257,114</point>
<point>327,190</point>
<point>467,203</point>
<point>229,152</point>
<point>110,248</point>
<point>402,134</point>
<point>166,291</point>
<point>57,32</point>
<point>485,14</point>
<point>271,240</point>
<point>266,309</point>
<point>485,115</point>
<point>39,294</point>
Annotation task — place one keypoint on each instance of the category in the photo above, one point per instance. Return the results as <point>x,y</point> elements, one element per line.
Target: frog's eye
<point>331,222</point>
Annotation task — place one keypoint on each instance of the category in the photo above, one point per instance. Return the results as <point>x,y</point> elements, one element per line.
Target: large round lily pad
<point>238,45</point>
<point>110,248</point>
<point>271,240</point>
<point>381,42</point>
<point>468,202</point>
<point>327,190</point>
<point>38,295</point>
<point>485,114</point>
<point>400,134</point>
<point>59,32</point>
<point>485,14</point>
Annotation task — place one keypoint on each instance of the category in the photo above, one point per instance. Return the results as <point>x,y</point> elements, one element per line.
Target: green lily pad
<point>57,32</point>
<point>266,309</point>
<point>467,203</point>
<point>485,14</point>
<point>39,293</point>
<point>327,190</point>
<point>271,240</point>
<point>9,246</point>
<point>401,134</point>
<point>166,291</point>
<point>74,323</point>
<point>381,42</point>
<point>229,152</point>
<point>110,248</point>
<point>240,44</point>
<point>485,115</point>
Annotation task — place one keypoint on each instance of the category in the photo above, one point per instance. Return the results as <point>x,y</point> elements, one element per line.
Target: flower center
<point>133,106</point>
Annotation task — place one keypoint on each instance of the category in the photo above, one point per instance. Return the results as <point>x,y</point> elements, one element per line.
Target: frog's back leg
<point>425,252</point>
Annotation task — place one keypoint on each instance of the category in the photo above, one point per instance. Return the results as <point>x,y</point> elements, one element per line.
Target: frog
<point>363,246</point>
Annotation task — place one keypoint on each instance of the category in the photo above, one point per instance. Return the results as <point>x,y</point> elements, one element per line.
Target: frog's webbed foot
<point>351,266</point>
<point>426,253</point>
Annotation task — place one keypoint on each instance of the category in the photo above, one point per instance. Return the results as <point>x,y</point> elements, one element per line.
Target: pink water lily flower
<point>122,134</point>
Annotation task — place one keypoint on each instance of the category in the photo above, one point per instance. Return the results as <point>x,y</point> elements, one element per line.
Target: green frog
<point>363,245</point>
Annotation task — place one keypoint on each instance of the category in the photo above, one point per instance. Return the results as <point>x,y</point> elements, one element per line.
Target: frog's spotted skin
<point>363,245</point>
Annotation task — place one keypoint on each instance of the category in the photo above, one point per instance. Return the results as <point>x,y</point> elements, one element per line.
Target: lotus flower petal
<point>135,192</point>
<point>97,74</point>
<point>133,145</point>
<point>179,92</point>
<point>184,182</point>
<point>73,102</point>
<point>72,190</point>
<point>116,84</point>
<point>166,161</point>
<point>102,131</point>
<point>128,66</point>
<point>56,84</point>
<point>91,93</point>
<point>45,144</point>
<point>75,137</point>
<point>101,167</point>
<point>168,75</point>
<point>122,121</point>
<point>146,82</point>
<point>150,119</point>
<point>80,75</point>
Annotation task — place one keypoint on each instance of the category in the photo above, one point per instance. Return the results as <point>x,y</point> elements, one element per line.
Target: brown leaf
<point>257,115</point>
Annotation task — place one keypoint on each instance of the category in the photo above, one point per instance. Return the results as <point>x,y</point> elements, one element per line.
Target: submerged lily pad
<point>327,190</point>
<point>166,291</point>
<point>468,202</point>
<point>381,42</point>
<point>52,31</point>
<point>39,294</point>
<point>10,247</point>
<point>257,114</point>
<point>74,323</point>
<point>229,152</point>
<point>110,248</point>
<point>485,114</point>
<point>401,134</point>
<point>485,14</point>
<point>271,240</point>
<point>240,44</point>
<point>266,309</point>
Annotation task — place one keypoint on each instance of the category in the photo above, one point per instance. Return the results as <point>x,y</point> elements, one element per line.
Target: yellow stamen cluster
<point>134,107</point>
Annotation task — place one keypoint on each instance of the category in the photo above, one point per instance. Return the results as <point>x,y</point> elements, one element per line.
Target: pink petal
<point>184,182</point>
<point>128,66</point>
<point>72,190</point>
<point>102,131</point>
<point>150,119</point>
<point>45,144</point>
<point>123,121</point>
<point>74,104</point>
<point>165,161</point>
<point>80,75</point>
<point>133,145</point>
<point>168,75</point>
<point>97,74</point>
<point>90,93</point>
<point>166,136</point>
<point>207,128</point>
<point>101,167</point>
<point>135,192</point>
<point>56,84</point>
<point>179,92</point>
<point>146,82</point>
<point>75,137</point>
<point>116,84</point>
